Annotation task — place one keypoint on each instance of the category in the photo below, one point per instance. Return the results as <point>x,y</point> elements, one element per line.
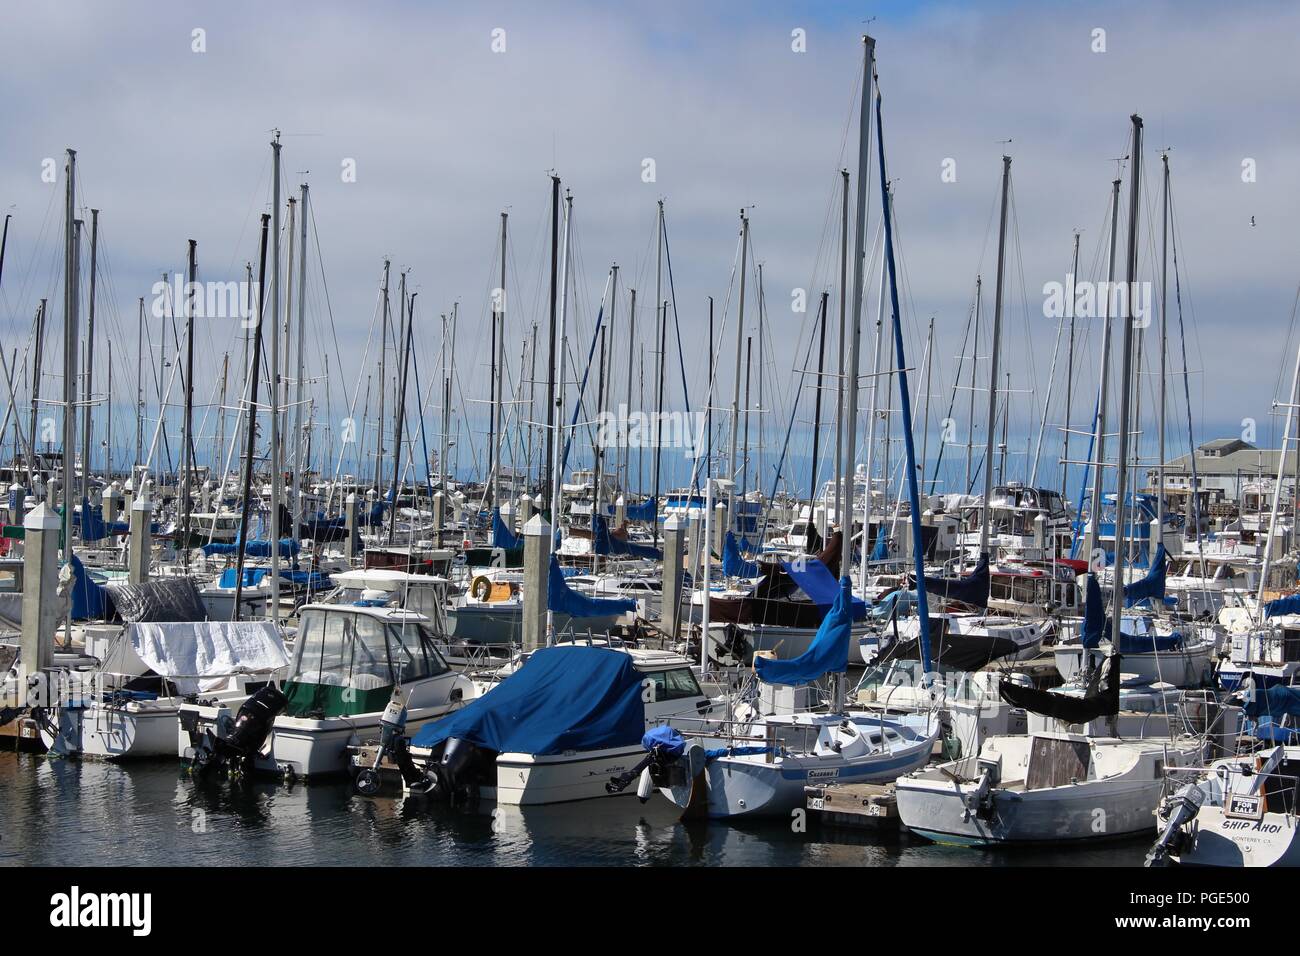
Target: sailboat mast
<point>187,439</point>
<point>88,383</point>
<point>974,362</point>
<point>1125,393</point>
<point>740,341</point>
<point>274,410</point>
<point>839,379</point>
<point>70,233</point>
<point>817,403</point>
<point>994,346</point>
<point>1164,345</point>
<point>298,386</point>
<point>1069,376</point>
<point>1099,438</point>
<point>547,480</point>
<point>849,415</point>
<point>252,378</point>
<point>383,350</point>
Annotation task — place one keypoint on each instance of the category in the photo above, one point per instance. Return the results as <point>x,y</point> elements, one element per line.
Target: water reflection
<point>68,812</point>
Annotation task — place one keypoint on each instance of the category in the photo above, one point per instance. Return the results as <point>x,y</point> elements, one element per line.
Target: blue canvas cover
<point>503,537</point>
<point>562,598</point>
<point>734,564</point>
<point>93,527</point>
<point>254,548</point>
<point>827,654</point>
<point>563,698</point>
<point>1283,605</point>
<point>902,600</point>
<point>881,551</point>
<point>90,601</point>
<point>973,589</point>
<point>602,542</point>
<point>252,577</point>
<point>816,581</point>
<point>1095,622</point>
<point>1276,702</point>
<point>1151,586</point>
<point>666,738</point>
<point>644,511</point>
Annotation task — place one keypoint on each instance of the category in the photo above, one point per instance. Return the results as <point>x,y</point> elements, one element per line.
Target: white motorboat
<point>128,706</point>
<point>347,662</point>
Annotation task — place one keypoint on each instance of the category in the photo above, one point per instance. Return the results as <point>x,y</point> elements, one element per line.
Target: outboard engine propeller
<point>392,738</point>
<point>235,743</point>
<point>1180,811</point>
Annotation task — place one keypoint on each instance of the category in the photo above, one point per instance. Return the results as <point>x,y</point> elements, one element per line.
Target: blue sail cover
<point>1284,605</point>
<point>973,589</point>
<point>563,698</point>
<point>1094,615</point>
<point>902,600</point>
<point>254,548</point>
<point>642,511</point>
<point>734,564</point>
<point>827,654</point>
<point>816,581</point>
<point>252,577</point>
<point>1278,701</point>
<point>93,526</point>
<point>564,600</point>
<point>1151,586</point>
<point>602,542</point>
<point>503,537</point>
<point>881,551</point>
<point>90,600</point>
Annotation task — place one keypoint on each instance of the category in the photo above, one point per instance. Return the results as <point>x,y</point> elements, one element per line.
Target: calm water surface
<point>69,812</point>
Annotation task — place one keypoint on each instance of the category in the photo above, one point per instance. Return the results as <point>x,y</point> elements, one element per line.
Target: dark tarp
<point>827,654</point>
<point>562,698</point>
<point>164,601</point>
<point>973,589</point>
<point>1096,702</point>
<point>956,652</point>
<point>1095,622</point>
<point>603,542</point>
<point>1278,701</point>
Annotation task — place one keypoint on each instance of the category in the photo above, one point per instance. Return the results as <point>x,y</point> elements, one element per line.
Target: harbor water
<point>63,812</point>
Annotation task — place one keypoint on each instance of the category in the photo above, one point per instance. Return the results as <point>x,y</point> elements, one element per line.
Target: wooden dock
<point>871,805</point>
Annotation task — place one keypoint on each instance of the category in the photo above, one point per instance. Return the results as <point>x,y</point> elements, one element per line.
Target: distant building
<point>1228,470</point>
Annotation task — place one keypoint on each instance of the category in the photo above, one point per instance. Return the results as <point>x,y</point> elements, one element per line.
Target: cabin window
<point>414,655</point>
<point>676,684</point>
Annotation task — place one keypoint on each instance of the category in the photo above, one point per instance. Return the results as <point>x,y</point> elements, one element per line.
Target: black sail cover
<point>1097,701</point>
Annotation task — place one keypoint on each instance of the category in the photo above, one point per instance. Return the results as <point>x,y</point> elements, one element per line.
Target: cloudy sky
<point>445,132</point>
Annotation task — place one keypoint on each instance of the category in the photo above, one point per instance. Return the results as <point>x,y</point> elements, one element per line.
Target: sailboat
<point>760,766</point>
<point>1056,785</point>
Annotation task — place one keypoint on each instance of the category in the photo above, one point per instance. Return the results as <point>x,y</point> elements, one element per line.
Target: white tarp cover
<point>199,655</point>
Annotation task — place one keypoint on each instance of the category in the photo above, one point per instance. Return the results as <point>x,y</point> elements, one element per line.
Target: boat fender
<point>645,786</point>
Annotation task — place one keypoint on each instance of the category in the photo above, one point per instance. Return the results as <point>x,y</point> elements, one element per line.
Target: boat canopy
<point>561,699</point>
<point>827,654</point>
<point>644,511</point>
<point>347,660</point>
<point>254,548</point>
<point>1283,605</point>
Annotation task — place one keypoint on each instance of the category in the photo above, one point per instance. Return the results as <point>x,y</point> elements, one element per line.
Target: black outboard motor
<point>235,744</point>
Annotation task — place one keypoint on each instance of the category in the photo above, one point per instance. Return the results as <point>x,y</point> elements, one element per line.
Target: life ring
<point>480,588</point>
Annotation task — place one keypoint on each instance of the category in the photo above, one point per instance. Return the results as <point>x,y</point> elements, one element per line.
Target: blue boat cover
<point>973,589</point>
<point>827,654</point>
<point>1278,701</point>
<point>1151,586</point>
<point>1095,622</point>
<point>563,599</point>
<point>734,564</point>
<point>1283,605</point>
<point>666,738</point>
<point>816,581</point>
<point>90,600</point>
<point>881,551</point>
<point>901,599</point>
<point>643,511</point>
<point>93,527</point>
<point>255,548</point>
<point>602,542</point>
<point>503,537</point>
<point>252,577</point>
<point>563,698</point>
